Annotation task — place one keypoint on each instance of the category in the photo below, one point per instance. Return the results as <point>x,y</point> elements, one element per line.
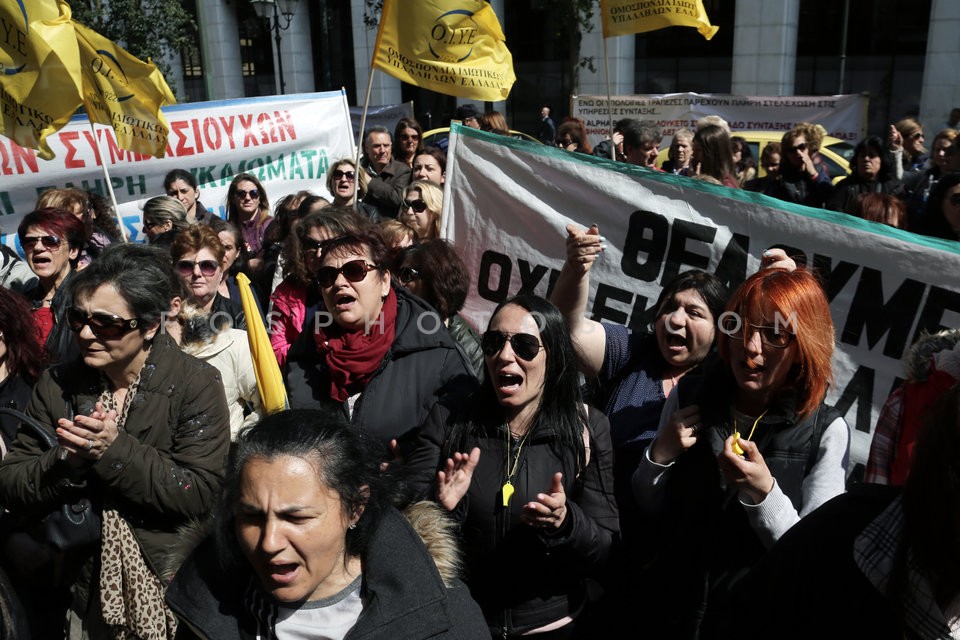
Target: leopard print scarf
<point>131,595</point>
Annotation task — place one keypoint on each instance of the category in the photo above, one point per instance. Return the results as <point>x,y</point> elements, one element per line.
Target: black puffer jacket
<point>424,365</point>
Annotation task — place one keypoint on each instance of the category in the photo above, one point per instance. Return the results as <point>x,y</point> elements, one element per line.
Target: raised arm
<point>570,296</point>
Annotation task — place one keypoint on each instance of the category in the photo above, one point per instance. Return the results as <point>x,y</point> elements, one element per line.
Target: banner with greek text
<point>623,17</point>
<point>507,203</point>
<point>288,142</point>
<point>843,116</point>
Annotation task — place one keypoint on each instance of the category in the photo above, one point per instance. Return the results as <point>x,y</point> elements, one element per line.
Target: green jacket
<point>165,467</point>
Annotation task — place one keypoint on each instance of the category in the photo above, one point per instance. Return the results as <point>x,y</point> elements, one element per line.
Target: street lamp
<point>279,8</point>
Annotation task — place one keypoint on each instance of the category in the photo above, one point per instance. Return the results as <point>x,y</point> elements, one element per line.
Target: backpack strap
<point>823,417</point>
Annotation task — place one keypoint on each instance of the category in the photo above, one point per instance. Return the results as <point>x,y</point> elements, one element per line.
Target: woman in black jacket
<point>529,472</point>
<point>873,172</point>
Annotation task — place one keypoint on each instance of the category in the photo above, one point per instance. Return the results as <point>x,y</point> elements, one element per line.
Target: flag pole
<point>606,71</point>
<point>101,158</point>
<point>363,124</point>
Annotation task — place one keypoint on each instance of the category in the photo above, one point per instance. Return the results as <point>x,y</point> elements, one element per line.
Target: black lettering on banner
<point>530,275</point>
<point>894,317</point>
<point>551,283</point>
<point>859,390</point>
<point>732,268</point>
<point>641,317</point>
<point>833,279</point>
<point>488,260</point>
<point>931,316</point>
<point>600,309</point>
<point>678,254</point>
<point>654,246</point>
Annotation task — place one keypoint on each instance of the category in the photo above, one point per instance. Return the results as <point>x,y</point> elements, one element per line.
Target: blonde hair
<point>433,197</point>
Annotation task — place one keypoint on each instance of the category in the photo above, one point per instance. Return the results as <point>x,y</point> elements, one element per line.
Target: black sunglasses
<point>406,275</point>
<point>349,175</point>
<point>525,346</point>
<point>207,267</point>
<point>354,271</point>
<point>309,244</point>
<point>105,326</point>
<point>253,193</point>
<point>48,242</point>
<point>418,206</point>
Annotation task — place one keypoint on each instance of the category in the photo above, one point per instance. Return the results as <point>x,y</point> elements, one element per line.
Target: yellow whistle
<point>736,444</point>
<point>507,491</point>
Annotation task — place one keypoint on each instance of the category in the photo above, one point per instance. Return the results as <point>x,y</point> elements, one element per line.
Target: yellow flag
<point>39,71</point>
<point>124,92</point>
<point>623,17</point>
<point>454,47</point>
<point>273,395</point>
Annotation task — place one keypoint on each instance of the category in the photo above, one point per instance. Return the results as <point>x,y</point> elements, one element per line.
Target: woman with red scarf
<point>378,354</point>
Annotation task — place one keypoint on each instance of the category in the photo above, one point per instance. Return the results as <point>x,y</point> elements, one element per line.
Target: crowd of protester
<point>544,475</point>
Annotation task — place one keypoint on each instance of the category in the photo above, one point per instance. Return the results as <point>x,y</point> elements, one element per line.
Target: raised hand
<point>549,510</point>
<point>453,481</point>
<point>583,247</point>
<point>677,436</point>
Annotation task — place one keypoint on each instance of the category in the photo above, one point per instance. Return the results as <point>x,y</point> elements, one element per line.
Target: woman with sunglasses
<point>407,136</point>
<point>198,258</point>
<point>163,218</point>
<point>249,209</point>
<point>341,178</point>
<point>100,228</point>
<point>527,469</point>
<point>51,240</point>
<point>422,204</point>
<point>296,300</point>
<point>375,354</point>
<point>803,177</point>
<point>143,432</point>
<point>746,447</point>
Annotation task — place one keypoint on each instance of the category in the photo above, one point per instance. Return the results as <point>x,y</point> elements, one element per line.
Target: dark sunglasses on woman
<point>207,267</point>
<point>354,271</point>
<point>406,275</point>
<point>349,175</point>
<point>241,194</point>
<point>105,326</point>
<point>419,206</point>
<point>525,346</point>
<point>48,242</point>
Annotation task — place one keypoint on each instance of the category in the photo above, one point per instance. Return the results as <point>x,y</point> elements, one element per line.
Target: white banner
<point>287,142</point>
<point>384,115</point>
<point>843,116</point>
<point>507,203</point>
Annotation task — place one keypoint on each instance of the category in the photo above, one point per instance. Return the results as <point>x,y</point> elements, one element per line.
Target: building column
<point>296,48</point>
<point>941,91</point>
<point>386,88</point>
<point>223,72</point>
<point>765,48</point>
<point>621,54</point>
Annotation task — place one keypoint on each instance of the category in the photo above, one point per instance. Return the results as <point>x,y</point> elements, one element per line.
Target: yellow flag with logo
<point>40,81</point>
<point>455,47</point>
<point>122,91</point>
<point>623,17</point>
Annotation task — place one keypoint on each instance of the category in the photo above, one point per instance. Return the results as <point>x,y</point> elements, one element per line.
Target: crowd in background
<point>543,475</point>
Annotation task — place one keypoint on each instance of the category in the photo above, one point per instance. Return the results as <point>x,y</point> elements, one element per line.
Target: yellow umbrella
<point>273,395</point>
<point>52,65</point>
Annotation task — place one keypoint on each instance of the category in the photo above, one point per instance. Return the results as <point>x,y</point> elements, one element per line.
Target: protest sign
<point>287,142</point>
<point>507,203</point>
<point>843,116</point>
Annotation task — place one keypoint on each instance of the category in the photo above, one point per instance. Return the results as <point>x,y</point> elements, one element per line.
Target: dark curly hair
<point>443,274</point>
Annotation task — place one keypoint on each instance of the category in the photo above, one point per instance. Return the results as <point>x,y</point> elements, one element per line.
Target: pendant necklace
<point>507,488</point>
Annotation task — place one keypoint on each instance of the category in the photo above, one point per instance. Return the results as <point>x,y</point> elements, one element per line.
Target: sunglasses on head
<point>525,346</point>
<point>242,195</point>
<point>406,275</point>
<point>349,175</point>
<point>353,271</point>
<point>48,242</point>
<point>419,206</point>
<point>105,326</point>
<point>207,267</point>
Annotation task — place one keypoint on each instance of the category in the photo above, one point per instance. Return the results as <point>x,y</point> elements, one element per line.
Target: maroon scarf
<point>353,356</point>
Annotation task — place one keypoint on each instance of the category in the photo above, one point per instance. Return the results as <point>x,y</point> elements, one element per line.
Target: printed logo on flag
<point>14,40</point>
<point>107,71</point>
<point>453,35</point>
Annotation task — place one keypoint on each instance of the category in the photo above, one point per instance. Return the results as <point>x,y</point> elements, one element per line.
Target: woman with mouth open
<point>527,469</point>
<point>746,448</point>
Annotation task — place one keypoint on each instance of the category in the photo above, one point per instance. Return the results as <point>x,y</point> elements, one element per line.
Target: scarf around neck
<point>354,356</point>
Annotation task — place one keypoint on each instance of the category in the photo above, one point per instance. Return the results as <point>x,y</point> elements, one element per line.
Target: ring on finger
<point>89,445</point>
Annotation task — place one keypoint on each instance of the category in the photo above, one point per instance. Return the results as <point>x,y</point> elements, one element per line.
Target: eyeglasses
<point>916,135</point>
<point>309,244</point>
<point>150,224</point>
<point>207,267</point>
<point>955,199</point>
<point>105,326</point>
<point>408,275</point>
<point>353,271</point>
<point>800,147</point>
<point>405,136</point>
<point>774,337</point>
<point>49,242</point>
<point>419,206</point>
<point>525,346</point>
<point>349,175</point>
<point>240,194</point>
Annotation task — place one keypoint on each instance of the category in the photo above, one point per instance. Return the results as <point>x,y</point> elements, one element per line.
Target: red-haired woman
<point>745,447</point>
<point>21,359</point>
<point>51,240</point>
